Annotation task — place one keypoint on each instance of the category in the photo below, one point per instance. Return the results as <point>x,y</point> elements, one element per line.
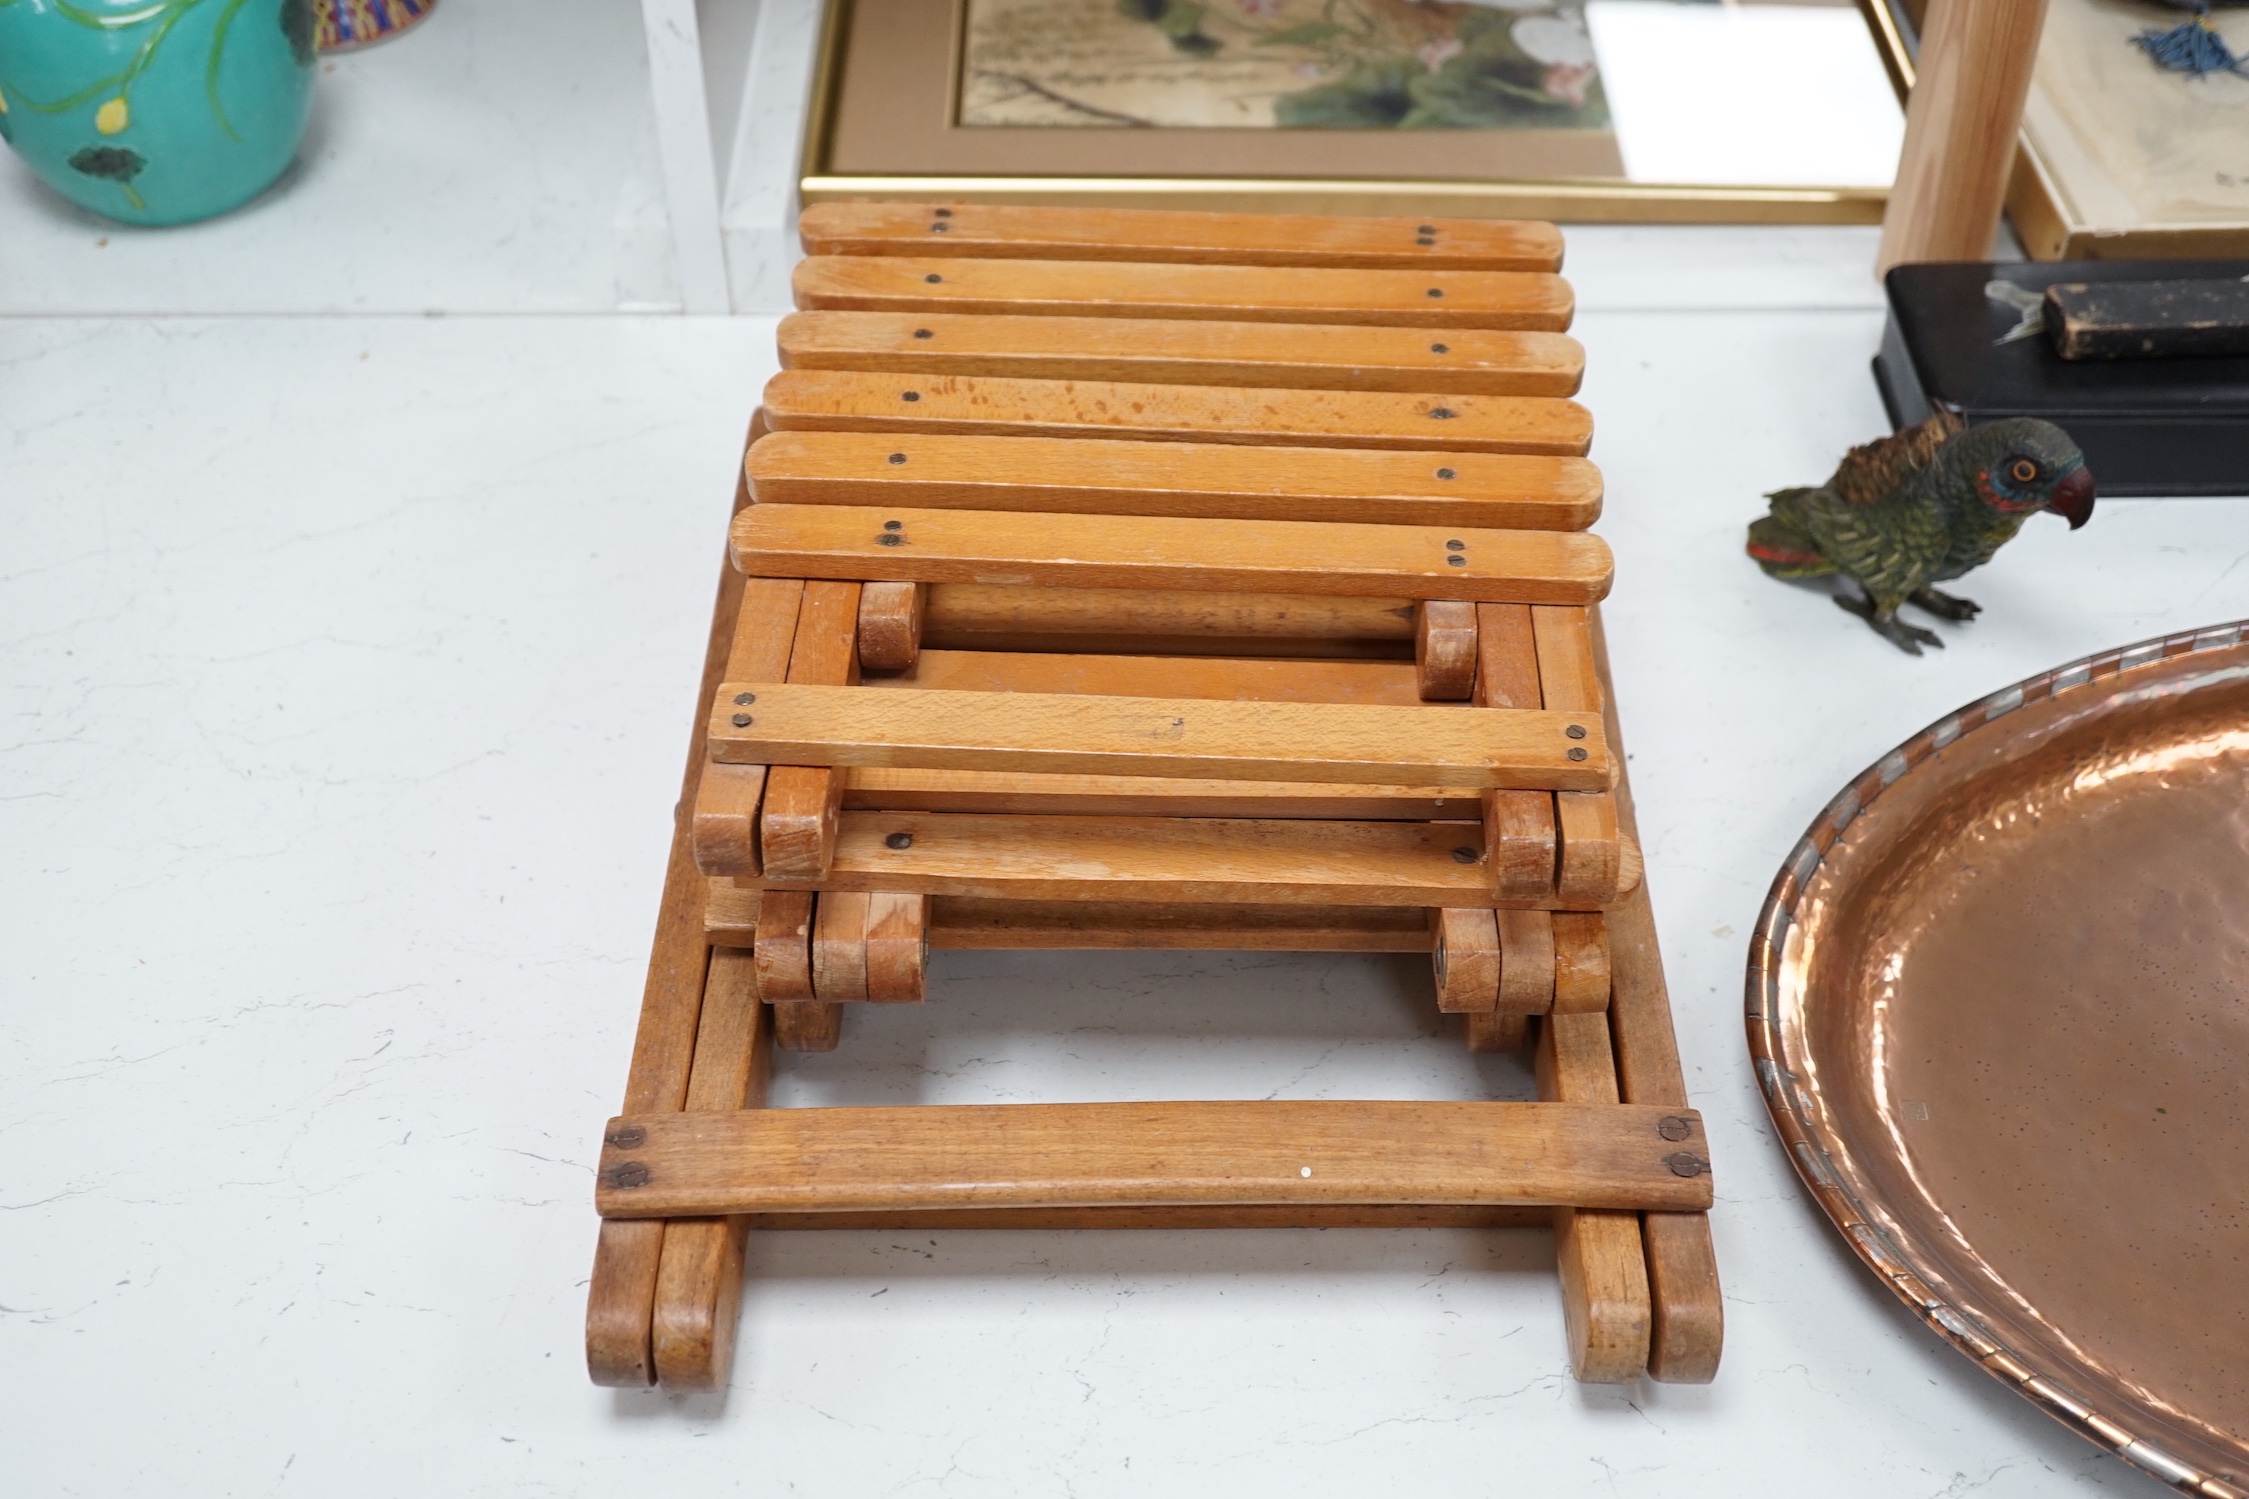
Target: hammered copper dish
<point>1999,1005</point>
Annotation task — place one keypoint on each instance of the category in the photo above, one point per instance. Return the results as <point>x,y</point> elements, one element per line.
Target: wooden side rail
<point>1254,679</point>
<point>1107,476</point>
<point>1286,356</point>
<point>777,723</point>
<point>1613,1156</point>
<point>966,924</point>
<point>850,401</point>
<point>1443,299</point>
<point>874,789</point>
<point>1165,621</point>
<point>981,229</point>
<point>1180,860</point>
<point>868,544</point>
<point>1690,1309</point>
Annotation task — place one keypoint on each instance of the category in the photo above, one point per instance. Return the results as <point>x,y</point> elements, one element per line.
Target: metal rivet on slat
<point>1441,413</point>
<point>1445,473</point>
<point>1456,546</point>
<point>1686,1163</point>
<point>1456,562</point>
<point>899,840</point>
<point>1425,241</point>
<point>629,1174</point>
<point>1577,752</point>
<point>1426,229</point>
<point>944,213</point>
<point>891,539</point>
<point>1575,731</point>
<point>933,278</point>
<point>745,698</point>
<point>894,525</point>
<point>1436,291</point>
<point>937,228</point>
<point>741,720</point>
<point>627,1137</point>
<point>898,458</point>
<point>909,395</point>
<point>1465,856</point>
<point>923,333</point>
<point>1672,1127</point>
<point>1440,348</point>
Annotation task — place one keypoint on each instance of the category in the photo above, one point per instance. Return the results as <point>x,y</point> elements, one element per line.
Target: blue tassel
<point>2194,48</point>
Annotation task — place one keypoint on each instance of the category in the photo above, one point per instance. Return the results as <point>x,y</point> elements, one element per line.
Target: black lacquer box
<point>1968,337</point>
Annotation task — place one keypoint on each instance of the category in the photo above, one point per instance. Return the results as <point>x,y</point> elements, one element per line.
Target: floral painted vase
<point>345,24</point>
<point>156,111</point>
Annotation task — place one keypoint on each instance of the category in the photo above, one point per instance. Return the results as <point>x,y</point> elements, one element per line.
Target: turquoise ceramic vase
<point>156,111</point>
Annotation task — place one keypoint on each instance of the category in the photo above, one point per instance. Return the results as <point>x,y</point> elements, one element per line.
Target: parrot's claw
<point>1885,622</point>
<point>1946,605</point>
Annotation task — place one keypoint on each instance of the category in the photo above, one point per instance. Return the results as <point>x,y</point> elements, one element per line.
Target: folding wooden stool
<point>1130,579</point>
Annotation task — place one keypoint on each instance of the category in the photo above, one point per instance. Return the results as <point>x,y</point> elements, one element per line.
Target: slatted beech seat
<point>1103,580</point>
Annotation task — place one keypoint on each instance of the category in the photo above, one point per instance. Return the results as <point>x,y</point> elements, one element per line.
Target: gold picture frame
<point>912,103</point>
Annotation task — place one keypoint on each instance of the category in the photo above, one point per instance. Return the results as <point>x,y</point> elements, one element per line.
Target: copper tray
<point>1999,1005</point>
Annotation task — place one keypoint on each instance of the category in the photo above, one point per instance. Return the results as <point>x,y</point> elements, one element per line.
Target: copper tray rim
<point>1807,1146</point>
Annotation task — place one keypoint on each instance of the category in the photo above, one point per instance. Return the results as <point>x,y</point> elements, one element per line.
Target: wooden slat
<point>1491,1032</point>
<point>784,947</point>
<point>1287,356</point>
<point>1141,1154</point>
<point>1605,1300</point>
<point>1166,552</point>
<point>1690,1309</point>
<point>1581,962</point>
<point>1179,860</point>
<point>1518,300</point>
<point>1519,831</point>
<point>839,945</point>
<point>1589,864</point>
<point>730,913</point>
<point>728,798</point>
<point>967,923</point>
<point>1526,977</point>
<point>797,824</point>
<point>1464,950</point>
<point>868,789</point>
<point>1074,233</point>
<point>890,620</point>
<point>976,615</point>
<point>1104,476</point>
<point>1444,651</point>
<point>698,1286</point>
<point>1246,680</point>
<point>1249,1215</point>
<point>850,401</point>
<point>1202,738</point>
<point>897,948</point>
<point>808,1027</point>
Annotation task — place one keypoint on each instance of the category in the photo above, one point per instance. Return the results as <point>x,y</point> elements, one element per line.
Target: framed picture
<point>2121,158</point>
<point>1648,110</point>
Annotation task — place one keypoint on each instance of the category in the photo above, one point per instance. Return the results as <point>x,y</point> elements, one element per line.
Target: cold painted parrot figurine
<point>1919,508</point>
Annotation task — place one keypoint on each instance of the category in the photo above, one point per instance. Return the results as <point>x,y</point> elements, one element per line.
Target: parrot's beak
<point>2073,498</point>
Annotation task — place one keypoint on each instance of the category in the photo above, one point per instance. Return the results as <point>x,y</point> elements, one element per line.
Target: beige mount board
<point>2122,159</point>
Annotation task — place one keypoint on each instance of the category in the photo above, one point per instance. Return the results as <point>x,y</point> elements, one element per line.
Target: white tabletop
<point>347,680</point>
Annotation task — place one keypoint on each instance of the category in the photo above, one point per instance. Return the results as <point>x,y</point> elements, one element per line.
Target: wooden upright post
<point>1960,128</point>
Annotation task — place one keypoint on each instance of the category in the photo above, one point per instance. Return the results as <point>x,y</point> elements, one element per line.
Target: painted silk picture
<point>1281,64</point>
